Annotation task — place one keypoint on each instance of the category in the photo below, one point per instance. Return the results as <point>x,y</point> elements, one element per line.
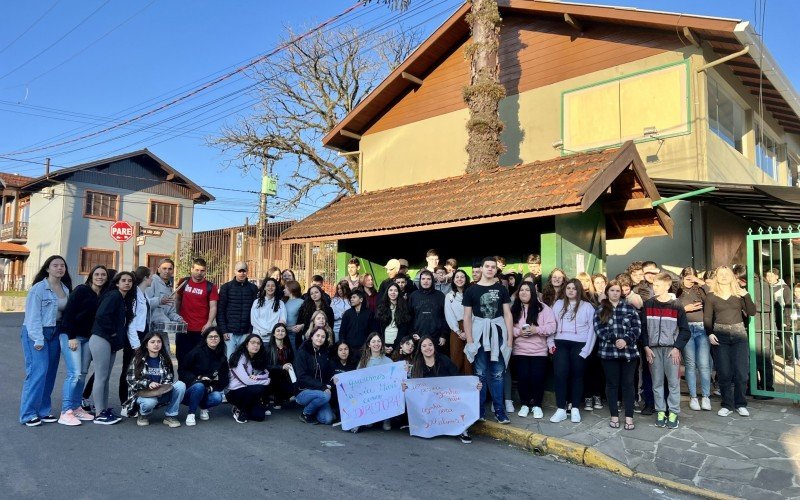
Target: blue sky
<point>85,62</point>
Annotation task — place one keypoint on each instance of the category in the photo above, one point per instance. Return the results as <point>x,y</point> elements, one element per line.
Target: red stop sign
<point>121,231</point>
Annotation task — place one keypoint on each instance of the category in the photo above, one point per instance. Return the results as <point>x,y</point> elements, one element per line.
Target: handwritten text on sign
<point>370,395</point>
<point>441,405</point>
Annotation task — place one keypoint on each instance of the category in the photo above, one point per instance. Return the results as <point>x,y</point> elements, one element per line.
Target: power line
<point>12,42</point>
<point>65,35</point>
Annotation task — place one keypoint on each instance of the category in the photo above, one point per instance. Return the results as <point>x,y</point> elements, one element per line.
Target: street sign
<point>150,231</point>
<point>121,231</point>
<point>140,240</point>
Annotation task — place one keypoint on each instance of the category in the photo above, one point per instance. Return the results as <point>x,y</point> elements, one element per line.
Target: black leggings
<point>594,383</point>
<point>619,375</point>
<point>531,372</point>
<point>568,368</point>
<point>250,401</point>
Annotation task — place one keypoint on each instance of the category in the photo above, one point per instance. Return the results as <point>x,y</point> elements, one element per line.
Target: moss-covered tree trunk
<point>484,92</point>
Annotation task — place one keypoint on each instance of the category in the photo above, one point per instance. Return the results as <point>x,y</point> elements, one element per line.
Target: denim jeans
<point>661,367</point>
<point>233,343</point>
<point>76,373</point>
<point>697,357</point>
<point>492,375</point>
<point>172,399</point>
<point>197,396</point>
<point>40,375</point>
<point>316,403</point>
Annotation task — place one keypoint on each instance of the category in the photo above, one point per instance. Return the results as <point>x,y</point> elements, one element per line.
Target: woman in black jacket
<point>393,317</point>
<point>315,301</point>
<point>314,372</point>
<point>109,332</point>
<point>280,356</point>
<point>205,372</point>
<point>77,322</point>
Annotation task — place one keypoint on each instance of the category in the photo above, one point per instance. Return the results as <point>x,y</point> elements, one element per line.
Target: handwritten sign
<point>370,395</point>
<point>441,406</point>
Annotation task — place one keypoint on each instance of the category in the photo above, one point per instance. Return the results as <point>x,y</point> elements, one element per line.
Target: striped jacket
<point>664,324</point>
<point>623,324</point>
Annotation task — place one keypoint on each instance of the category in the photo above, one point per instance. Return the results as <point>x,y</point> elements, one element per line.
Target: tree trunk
<point>484,92</point>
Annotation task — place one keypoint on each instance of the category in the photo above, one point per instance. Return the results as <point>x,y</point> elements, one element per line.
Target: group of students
<point>263,347</point>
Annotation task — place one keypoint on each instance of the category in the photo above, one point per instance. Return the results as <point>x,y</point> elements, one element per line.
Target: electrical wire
<point>12,42</point>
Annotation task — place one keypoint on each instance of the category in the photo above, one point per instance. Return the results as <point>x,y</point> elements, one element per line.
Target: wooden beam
<point>196,195</point>
<point>351,135</point>
<point>171,177</point>
<point>573,22</point>
<point>411,78</point>
<point>628,205</point>
<point>689,35</point>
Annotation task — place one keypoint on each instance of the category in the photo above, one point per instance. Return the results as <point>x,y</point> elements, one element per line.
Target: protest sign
<point>370,395</point>
<point>441,405</point>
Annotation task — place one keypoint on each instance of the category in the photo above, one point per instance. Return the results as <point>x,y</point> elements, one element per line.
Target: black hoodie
<point>427,309</point>
<point>312,367</point>
<point>203,362</point>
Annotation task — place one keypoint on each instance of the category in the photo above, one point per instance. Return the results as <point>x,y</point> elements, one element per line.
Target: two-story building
<point>684,102</point>
<point>70,212</point>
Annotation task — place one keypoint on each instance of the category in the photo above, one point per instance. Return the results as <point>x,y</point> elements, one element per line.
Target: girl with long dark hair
<point>370,293</point>
<point>249,378</point>
<point>534,322</point>
<point>280,356</point>
<point>205,372</point>
<point>268,309</point>
<point>554,288</point>
<point>77,322</point>
<point>374,354</point>
<point>44,305</point>
<point>314,373</point>
<point>109,333</point>
<point>342,361</point>
<point>454,315</point>
<point>618,327</point>
<point>314,302</point>
<point>151,381</point>
<point>394,318</point>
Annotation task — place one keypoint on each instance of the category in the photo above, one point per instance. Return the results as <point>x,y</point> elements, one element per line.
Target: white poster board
<point>371,395</point>
<point>442,406</point>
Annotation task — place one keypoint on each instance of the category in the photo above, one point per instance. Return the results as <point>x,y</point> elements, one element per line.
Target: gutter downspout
<point>724,59</point>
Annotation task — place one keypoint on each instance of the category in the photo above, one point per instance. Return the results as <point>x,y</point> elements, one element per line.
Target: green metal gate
<point>773,259</point>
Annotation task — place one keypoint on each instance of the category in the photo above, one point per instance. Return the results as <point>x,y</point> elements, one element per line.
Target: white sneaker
<point>559,416</point>
<point>598,403</point>
<point>587,404</point>
<point>204,415</point>
<point>509,406</point>
<point>705,403</point>
<point>743,411</point>
<point>694,404</point>
<point>537,412</point>
<point>190,420</point>
<point>724,412</point>
<point>575,416</point>
<point>524,411</point>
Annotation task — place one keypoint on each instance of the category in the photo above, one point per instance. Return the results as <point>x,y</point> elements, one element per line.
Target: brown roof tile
<point>14,180</point>
<point>539,188</point>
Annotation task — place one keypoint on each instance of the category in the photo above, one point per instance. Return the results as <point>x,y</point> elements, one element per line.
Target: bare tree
<point>304,92</point>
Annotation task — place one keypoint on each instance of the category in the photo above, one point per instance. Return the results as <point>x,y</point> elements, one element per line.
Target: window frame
<point>83,271</point>
<point>759,129</point>
<point>721,88</point>
<point>150,206</point>
<point>100,217</point>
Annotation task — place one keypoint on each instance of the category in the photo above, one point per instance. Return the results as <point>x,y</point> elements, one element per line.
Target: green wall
<point>576,238</point>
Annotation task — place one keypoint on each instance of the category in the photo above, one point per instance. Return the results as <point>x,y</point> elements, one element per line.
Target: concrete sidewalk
<point>748,457</point>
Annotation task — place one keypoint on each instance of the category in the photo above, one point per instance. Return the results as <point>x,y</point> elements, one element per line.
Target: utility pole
<point>262,218</point>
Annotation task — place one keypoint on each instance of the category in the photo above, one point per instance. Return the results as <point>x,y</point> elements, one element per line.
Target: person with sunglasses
<point>236,297</point>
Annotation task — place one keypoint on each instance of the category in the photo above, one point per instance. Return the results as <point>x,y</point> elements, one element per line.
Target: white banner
<point>371,395</point>
<point>441,405</point>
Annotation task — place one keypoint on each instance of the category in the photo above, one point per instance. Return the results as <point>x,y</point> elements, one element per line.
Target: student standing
<point>697,353</point>
<point>109,333</point>
<point>724,313</point>
<point>353,277</point>
<point>357,322</point>
<point>197,304</point>
<point>554,288</point>
<point>236,299</point>
<point>534,323</point>
<point>294,302</point>
<point>427,309</point>
<point>161,289</point>
<point>77,322</point>
<point>340,303</point>
<point>571,345</point>
<point>665,333</point>
<point>454,315</point>
<point>488,325</point>
<point>248,381</point>
<point>139,327</point>
<point>618,327</point>
<point>205,374</point>
<point>151,378</point>
<point>46,300</point>
<point>267,310</point>
<point>393,317</point>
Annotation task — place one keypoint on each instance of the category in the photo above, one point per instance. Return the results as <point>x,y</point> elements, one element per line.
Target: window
<point>153,259</point>
<point>725,116</point>
<point>794,164</point>
<point>91,257</point>
<point>766,152</point>
<point>164,214</point>
<point>101,205</point>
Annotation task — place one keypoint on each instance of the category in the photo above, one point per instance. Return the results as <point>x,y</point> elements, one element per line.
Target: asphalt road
<point>278,458</point>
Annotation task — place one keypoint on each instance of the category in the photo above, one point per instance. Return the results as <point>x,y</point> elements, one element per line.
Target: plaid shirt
<point>139,381</point>
<point>624,323</point>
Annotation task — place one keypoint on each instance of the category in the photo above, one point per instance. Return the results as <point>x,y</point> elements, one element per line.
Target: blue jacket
<point>41,310</point>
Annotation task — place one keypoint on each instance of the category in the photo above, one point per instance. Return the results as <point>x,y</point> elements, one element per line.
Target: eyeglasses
<point>241,270</point>
<point>213,337</point>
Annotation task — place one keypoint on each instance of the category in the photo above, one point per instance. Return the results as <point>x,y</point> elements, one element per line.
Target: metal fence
<point>773,262</point>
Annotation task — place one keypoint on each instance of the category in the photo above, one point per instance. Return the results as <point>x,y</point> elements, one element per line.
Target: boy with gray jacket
<point>665,332</point>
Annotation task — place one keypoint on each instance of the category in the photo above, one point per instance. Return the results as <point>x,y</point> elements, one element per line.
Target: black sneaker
<point>35,421</point>
<point>306,419</point>
<point>237,415</point>
<point>49,419</point>
<point>465,438</point>
<point>87,406</point>
<point>648,409</point>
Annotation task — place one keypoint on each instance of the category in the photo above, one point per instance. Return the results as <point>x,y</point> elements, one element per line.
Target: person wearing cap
<point>236,298</point>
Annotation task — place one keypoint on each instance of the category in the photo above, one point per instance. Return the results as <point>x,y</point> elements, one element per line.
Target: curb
<point>540,444</point>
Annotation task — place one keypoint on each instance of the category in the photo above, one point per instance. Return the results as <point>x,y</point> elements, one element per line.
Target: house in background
<point>69,212</point>
<point>703,101</point>
<point>15,211</point>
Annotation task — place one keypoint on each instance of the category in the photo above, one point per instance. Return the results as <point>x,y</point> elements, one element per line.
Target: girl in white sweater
<point>268,309</point>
